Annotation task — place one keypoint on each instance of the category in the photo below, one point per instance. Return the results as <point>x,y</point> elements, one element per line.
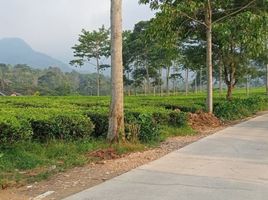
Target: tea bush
<point>71,118</point>
<point>13,129</point>
<point>239,108</point>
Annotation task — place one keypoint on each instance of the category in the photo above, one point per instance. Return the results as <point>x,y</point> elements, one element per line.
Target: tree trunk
<point>98,77</point>
<point>209,58</point>
<point>160,82</point>
<point>147,80</point>
<point>247,86</point>
<point>129,86</point>
<point>167,78</point>
<point>230,80</point>
<point>186,81</point>
<point>116,118</point>
<point>229,92</point>
<point>195,84</point>
<point>220,79</point>
<point>2,82</point>
<point>267,79</point>
<point>145,85</point>
<point>174,87</point>
<point>200,81</point>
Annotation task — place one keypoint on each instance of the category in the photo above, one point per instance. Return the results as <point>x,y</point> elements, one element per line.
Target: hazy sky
<point>52,26</point>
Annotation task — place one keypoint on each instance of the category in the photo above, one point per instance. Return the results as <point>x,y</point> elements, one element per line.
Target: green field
<point>50,134</point>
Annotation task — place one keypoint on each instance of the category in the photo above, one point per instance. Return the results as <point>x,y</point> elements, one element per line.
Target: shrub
<point>13,129</point>
<point>138,126</point>
<point>190,108</point>
<point>239,108</point>
<point>149,129</point>
<point>101,122</point>
<point>65,126</point>
<point>72,126</point>
<point>178,119</point>
<point>143,126</point>
<point>161,117</point>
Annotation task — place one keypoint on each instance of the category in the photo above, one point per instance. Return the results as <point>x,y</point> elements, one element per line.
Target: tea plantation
<point>44,131</point>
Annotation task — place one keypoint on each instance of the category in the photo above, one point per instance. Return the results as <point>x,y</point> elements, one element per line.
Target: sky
<point>53,26</point>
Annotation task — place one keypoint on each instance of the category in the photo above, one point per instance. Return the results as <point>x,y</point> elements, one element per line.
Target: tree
<point>3,71</point>
<point>240,40</point>
<point>54,82</point>
<point>116,117</point>
<point>92,45</point>
<point>147,55</point>
<point>198,16</point>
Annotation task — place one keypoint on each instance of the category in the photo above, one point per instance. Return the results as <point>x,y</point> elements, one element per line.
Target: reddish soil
<point>204,121</point>
<point>105,154</point>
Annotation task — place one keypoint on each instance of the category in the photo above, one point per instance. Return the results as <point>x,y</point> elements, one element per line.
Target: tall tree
<point>3,71</point>
<point>92,45</point>
<point>240,40</point>
<point>116,117</point>
<point>200,15</point>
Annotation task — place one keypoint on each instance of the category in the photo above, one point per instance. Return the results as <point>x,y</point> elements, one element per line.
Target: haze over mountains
<point>16,51</point>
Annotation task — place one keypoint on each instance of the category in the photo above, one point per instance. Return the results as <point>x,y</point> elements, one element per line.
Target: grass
<point>168,131</point>
<point>27,162</point>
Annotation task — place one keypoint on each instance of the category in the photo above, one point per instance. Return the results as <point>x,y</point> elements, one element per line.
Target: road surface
<point>229,165</point>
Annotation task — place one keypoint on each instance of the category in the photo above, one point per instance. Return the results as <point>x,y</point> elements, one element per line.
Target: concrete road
<point>229,165</point>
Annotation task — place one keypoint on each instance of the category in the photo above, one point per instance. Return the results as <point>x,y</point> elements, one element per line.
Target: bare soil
<point>204,121</point>
<point>80,178</point>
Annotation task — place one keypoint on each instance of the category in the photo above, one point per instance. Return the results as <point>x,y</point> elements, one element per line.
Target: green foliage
<point>13,129</point>
<point>101,122</point>
<point>71,118</point>
<point>178,119</point>
<point>51,134</point>
<point>50,158</point>
<point>149,130</point>
<point>240,108</point>
<point>19,125</point>
<point>64,126</point>
<point>92,45</point>
<point>23,80</point>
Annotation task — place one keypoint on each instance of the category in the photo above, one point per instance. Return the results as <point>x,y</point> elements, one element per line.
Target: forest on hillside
<point>24,80</point>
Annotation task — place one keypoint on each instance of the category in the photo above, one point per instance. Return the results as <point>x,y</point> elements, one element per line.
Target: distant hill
<point>16,51</point>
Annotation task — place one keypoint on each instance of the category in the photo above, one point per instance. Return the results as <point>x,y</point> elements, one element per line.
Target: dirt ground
<point>81,178</point>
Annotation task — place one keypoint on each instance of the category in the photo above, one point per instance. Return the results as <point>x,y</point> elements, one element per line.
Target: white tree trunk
<point>186,81</point>
<point>195,84</point>
<point>200,81</point>
<point>160,82</point>
<point>220,79</point>
<point>167,79</point>
<point>247,85</point>
<point>174,87</point>
<point>98,77</point>
<point>209,58</point>
<point>116,118</point>
<point>147,85</point>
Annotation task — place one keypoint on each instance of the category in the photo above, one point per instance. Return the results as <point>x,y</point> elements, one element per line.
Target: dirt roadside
<point>81,178</point>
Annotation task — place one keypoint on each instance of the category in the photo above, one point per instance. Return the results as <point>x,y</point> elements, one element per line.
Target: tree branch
<point>235,12</point>
<point>192,18</point>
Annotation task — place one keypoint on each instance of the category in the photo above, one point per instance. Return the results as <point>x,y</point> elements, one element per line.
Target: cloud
<point>52,26</point>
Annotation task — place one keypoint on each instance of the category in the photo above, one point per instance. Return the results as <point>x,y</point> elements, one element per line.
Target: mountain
<point>16,51</point>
